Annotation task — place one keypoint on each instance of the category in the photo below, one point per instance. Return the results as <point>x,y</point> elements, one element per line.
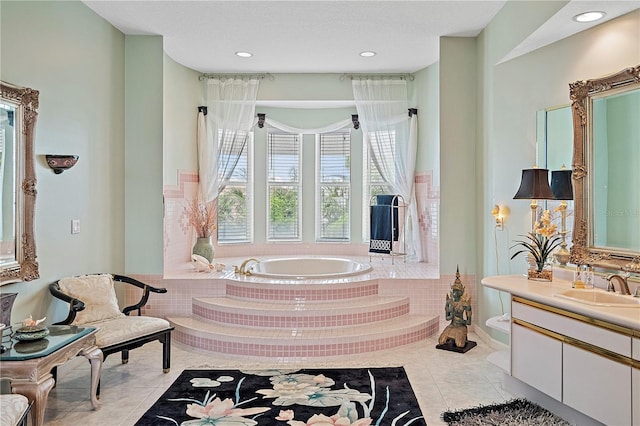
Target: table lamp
<point>562,189</point>
<point>534,186</point>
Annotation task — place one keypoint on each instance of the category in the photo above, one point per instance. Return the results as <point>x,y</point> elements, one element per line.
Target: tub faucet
<point>242,270</point>
<point>622,280</point>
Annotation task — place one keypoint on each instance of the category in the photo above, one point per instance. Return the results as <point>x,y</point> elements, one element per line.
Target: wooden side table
<point>28,365</point>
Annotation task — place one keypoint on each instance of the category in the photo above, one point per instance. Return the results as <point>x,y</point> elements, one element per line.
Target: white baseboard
<point>488,340</point>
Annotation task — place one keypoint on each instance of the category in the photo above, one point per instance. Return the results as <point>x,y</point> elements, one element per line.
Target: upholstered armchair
<point>93,303</point>
<point>14,407</point>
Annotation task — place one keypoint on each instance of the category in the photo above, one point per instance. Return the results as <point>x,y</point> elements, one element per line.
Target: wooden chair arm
<point>75,305</point>
<point>146,290</point>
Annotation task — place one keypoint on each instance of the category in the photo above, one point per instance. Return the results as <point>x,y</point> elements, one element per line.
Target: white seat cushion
<point>98,294</point>
<point>125,328</point>
<point>12,407</point>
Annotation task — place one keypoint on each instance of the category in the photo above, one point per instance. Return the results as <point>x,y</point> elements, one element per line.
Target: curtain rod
<point>237,75</point>
<point>406,76</point>
<point>263,116</point>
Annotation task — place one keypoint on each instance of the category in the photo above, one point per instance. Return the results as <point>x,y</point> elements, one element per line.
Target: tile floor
<point>440,380</point>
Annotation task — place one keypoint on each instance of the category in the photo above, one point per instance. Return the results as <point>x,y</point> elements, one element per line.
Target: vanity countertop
<point>544,292</point>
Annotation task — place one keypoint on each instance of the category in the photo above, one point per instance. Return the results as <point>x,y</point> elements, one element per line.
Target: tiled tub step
<point>299,314</point>
<point>293,291</point>
<point>306,342</point>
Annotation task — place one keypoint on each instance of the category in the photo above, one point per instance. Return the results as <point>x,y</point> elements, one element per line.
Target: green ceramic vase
<point>204,248</point>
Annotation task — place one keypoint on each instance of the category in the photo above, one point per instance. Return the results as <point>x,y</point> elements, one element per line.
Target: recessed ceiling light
<point>244,54</point>
<point>367,53</point>
<point>589,16</point>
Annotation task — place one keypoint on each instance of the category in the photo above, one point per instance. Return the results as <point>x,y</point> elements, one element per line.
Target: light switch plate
<point>75,226</point>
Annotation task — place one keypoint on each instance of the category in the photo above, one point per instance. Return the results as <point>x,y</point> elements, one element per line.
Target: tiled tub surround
<point>179,238</point>
<point>393,305</point>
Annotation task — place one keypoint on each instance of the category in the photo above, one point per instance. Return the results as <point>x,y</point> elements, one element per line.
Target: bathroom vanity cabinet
<point>587,357</point>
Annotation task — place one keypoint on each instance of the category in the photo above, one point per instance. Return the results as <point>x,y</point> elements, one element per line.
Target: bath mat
<point>517,412</point>
<point>295,397</point>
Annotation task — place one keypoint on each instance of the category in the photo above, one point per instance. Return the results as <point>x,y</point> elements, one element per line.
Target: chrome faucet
<point>622,280</point>
<point>242,270</point>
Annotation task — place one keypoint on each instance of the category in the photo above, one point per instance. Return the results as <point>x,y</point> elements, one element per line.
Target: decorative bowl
<point>31,333</point>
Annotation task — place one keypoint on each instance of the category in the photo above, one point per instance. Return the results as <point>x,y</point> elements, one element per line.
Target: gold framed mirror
<point>18,114</point>
<point>606,172</point>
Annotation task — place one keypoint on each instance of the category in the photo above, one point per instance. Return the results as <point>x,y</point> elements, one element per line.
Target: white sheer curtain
<point>391,136</point>
<point>333,127</point>
<point>231,113</point>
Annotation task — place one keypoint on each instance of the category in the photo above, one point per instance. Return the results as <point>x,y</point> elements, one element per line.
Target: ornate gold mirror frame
<point>581,92</point>
<point>25,268</point>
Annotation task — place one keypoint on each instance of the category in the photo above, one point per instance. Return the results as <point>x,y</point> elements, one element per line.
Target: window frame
<point>283,184</point>
<point>319,184</point>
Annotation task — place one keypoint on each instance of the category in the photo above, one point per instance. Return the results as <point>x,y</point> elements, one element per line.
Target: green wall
<point>458,148</point>
<point>143,154</point>
<point>427,94</point>
<point>76,60</point>
<point>512,92</point>
<point>182,94</point>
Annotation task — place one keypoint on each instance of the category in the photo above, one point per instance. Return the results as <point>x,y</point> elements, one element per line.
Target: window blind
<point>235,201</point>
<point>284,187</point>
<point>333,187</point>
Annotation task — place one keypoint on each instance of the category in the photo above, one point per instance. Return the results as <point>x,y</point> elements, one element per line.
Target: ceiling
<point>324,36</point>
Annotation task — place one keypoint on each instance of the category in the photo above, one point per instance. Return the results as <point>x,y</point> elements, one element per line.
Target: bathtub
<point>308,268</point>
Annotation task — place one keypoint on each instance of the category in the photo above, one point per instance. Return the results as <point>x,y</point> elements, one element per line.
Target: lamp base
<point>562,255</point>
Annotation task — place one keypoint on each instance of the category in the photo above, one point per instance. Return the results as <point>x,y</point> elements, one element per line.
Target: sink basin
<point>600,298</point>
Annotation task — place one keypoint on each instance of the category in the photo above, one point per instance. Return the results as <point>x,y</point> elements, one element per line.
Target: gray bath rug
<point>518,412</point>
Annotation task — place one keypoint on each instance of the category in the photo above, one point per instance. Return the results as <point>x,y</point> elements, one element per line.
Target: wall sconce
<point>60,163</point>
<point>534,186</point>
<point>562,188</point>
<point>499,216</point>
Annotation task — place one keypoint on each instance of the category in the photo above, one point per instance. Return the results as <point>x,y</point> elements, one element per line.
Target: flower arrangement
<point>541,241</point>
<point>202,216</point>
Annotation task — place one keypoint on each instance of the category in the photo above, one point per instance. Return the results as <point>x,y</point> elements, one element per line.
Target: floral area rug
<point>517,412</point>
<point>294,397</point>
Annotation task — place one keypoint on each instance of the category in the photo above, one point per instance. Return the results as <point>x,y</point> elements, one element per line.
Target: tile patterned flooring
<point>440,379</point>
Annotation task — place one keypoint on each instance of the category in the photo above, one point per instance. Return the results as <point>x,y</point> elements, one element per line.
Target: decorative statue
<point>457,310</point>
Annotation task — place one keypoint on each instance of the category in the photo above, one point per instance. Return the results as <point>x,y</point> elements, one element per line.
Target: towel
<point>389,200</point>
<point>386,200</point>
<point>380,229</point>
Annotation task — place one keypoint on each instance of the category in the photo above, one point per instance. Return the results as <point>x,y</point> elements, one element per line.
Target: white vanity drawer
<point>576,329</point>
<point>596,386</point>
<point>536,359</point>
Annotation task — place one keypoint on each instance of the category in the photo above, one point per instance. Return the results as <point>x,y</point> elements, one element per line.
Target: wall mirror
<point>554,137</point>
<point>554,148</point>
<point>606,172</point>
<point>18,114</point>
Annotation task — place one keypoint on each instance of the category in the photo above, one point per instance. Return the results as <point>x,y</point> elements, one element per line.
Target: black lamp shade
<point>561,184</point>
<point>534,185</point>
